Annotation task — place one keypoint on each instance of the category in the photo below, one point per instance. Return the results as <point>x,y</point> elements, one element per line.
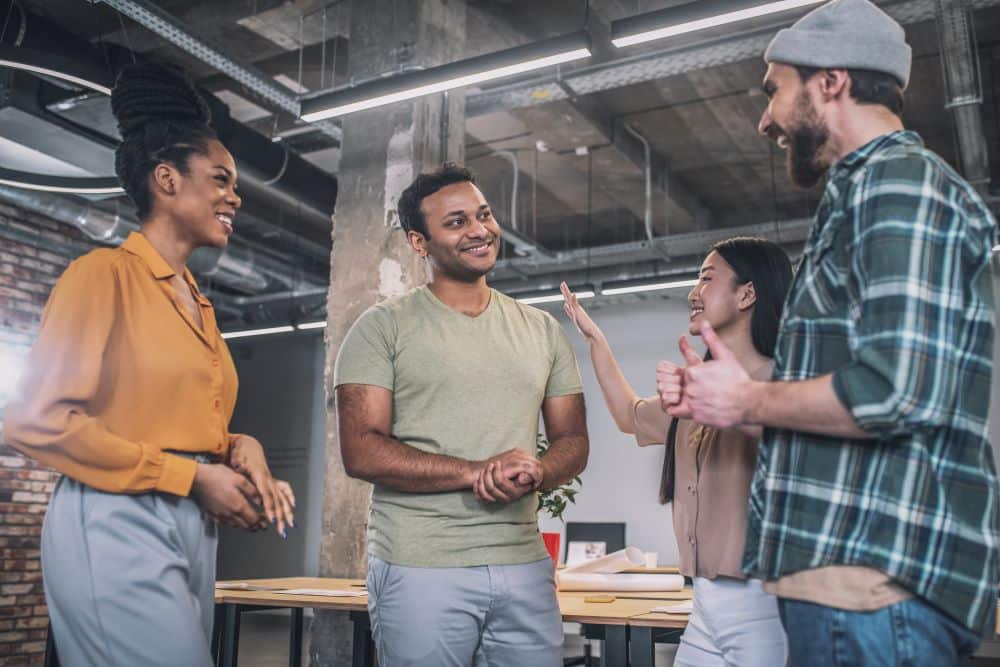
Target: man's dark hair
<point>162,119</point>
<point>867,87</point>
<point>767,266</point>
<point>410,216</point>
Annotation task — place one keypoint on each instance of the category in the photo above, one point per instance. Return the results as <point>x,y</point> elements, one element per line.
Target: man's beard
<point>804,145</point>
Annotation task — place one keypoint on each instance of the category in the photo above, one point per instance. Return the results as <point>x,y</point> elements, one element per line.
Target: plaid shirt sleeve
<point>906,299</point>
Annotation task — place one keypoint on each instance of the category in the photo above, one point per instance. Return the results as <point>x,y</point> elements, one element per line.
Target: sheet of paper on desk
<point>326,592</point>
<point>681,608</point>
<point>245,586</point>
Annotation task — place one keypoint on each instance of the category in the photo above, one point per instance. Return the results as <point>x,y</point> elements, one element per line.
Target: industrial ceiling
<point>620,167</point>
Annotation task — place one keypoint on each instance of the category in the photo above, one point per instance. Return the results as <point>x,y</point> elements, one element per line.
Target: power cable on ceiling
<point>302,44</point>
<point>128,40</point>
<point>322,54</point>
<point>10,10</point>
<point>590,190</point>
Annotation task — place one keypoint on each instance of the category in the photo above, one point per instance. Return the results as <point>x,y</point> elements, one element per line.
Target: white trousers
<point>734,624</point>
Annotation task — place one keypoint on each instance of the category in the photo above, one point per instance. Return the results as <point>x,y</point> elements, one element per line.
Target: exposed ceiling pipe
<point>269,172</point>
<point>648,173</point>
<point>287,295</point>
<point>964,89</point>
<point>512,156</point>
<point>675,245</point>
<point>644,272</point>
<point>237,267</point>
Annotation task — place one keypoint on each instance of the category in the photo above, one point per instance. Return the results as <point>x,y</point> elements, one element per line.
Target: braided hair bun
<point>161,118</point>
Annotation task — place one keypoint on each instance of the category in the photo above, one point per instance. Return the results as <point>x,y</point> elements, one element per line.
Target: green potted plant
<point>554,501</point>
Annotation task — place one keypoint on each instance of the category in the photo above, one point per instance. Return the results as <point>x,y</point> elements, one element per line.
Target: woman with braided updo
<point>129,392</point>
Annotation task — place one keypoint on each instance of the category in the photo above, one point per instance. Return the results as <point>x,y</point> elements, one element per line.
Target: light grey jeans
<point>129,579</point>
<point>493,615</point>
<point>734,624</point>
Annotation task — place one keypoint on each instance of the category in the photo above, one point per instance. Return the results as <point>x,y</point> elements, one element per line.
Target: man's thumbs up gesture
<point>670,381</point>
<point>713,393</point>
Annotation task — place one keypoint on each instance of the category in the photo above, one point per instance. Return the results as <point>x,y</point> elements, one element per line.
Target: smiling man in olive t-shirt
<point>438,396</point>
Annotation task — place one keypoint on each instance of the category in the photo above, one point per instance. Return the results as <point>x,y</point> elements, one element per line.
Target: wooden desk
<point>229,604</point>
<point>617,618</point>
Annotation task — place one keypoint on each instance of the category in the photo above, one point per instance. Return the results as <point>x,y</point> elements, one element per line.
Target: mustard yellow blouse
<point>121,374</point>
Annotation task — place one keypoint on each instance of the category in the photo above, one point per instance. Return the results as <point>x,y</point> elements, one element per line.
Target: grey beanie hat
<point>849,34</point>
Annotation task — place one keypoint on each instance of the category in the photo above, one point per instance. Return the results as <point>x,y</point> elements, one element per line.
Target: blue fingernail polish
<point>284,534</point>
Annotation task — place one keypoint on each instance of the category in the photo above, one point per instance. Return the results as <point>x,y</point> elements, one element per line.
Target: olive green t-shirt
<point>468,387</point>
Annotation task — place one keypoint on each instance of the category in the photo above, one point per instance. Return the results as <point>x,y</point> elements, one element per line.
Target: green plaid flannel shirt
<point>894,297</point>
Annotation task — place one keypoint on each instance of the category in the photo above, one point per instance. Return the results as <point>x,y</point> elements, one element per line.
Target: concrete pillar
<point>383,149</point>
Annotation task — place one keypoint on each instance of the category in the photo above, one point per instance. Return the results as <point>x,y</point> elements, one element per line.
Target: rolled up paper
<point>590,581</point>
<point>614,562</point>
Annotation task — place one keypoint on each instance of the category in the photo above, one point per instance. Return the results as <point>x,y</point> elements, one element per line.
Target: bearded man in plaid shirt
<point>873,513</point>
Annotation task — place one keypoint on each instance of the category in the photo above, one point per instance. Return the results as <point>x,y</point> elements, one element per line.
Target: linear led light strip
<point>55,66</point>
<point>574,50</point>
<point>652,287</point>
<point>288,328</point>
<point>55,74</point>
<point>553,298</point>
<point>548,298</point>
<point>711,21</point>
<point>71,189</point>
<point>258,332</point>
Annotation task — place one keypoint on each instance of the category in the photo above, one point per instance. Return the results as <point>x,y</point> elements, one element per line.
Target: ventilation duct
<point>238,267</point>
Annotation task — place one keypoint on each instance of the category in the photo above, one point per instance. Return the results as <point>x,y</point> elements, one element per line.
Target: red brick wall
<point>32,256</point>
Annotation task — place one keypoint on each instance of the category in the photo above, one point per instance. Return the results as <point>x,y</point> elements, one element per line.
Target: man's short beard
<point>804,145</point>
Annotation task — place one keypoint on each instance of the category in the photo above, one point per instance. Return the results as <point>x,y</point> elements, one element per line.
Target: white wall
<point>622,480</point>
<point>282,403</point>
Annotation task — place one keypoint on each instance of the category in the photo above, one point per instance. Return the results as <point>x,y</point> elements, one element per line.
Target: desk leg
<point>641,646</point>
<point>615,651</point>
<point>363,651</point>
<point>220,619</point>
<point>295,639</point>
<point>232,635</point>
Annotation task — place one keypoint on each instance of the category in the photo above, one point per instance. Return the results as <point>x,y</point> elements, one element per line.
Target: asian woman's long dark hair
<point>766,265</point>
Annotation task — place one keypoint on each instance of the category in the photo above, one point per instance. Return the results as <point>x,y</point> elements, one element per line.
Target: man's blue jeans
<point>910,633</point>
